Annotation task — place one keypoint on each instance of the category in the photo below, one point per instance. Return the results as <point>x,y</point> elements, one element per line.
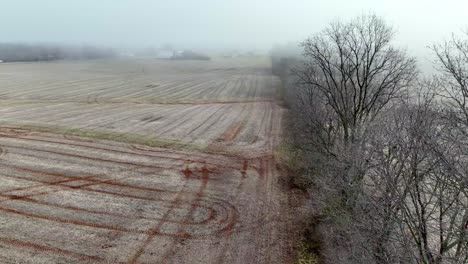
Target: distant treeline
<point>283,57</point>
<point>18,52</point>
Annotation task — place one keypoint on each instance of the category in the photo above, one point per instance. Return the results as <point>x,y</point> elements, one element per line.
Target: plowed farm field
<point>140,161</point>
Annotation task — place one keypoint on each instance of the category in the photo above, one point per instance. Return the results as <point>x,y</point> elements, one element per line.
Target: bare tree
<point>452,62</point>
<point>392,183</point>
<point>350,74</point>
<point>452,179</point>
<point>356,70</point>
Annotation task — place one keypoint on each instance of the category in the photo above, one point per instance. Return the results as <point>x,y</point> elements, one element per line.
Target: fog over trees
<point>20,52</point>
<point>381,149</point>
<point>211,25</point>
<point>374,94</point>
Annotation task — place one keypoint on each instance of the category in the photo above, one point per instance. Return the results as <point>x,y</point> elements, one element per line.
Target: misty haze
<point>234,131</point>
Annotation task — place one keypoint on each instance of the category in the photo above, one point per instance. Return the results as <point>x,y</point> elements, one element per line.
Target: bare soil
<point>79,199</point>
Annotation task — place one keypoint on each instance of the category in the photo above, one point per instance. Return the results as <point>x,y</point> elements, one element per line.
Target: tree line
<point>382,151</point>
<point>18,52</point>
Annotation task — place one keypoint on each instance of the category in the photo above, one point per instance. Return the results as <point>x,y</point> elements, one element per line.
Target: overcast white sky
<point>256,24</point>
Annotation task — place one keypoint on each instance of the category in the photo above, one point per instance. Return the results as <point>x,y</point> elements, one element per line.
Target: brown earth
<point>72,198</point>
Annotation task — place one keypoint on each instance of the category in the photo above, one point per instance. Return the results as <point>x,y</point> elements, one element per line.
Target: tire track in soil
<point>156,230</point>
<point>229,231</point>
<point>222,204</point>
<point>181,230</point>
<point>260,127</point>
<point>262,171</point>
<point>60,183</point>
<point>80,139</point>
<point>27,198</point>
<point>263,167</point>
<point>110,182</point>
<point>13,132</point>
<point>262,187</point>
<point>134,168</point>
<point>185,222</point>
<point>78,156</point>
<point>232,131</point>
<point>68,221</point>
<point>220,164</point>
<point>49,249</point>
<point>45,184</point>
<point>132,147</point>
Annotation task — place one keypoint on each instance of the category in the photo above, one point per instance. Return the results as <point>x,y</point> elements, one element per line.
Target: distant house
<point>165,54</point>
<point>189,55</point>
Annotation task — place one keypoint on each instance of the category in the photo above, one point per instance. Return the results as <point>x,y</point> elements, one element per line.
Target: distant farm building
<point>165,54</point>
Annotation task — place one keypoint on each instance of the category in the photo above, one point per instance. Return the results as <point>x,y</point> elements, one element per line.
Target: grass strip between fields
<point>108,135</point>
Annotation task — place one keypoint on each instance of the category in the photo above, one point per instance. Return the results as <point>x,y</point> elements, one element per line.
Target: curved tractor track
<point>70,199</point>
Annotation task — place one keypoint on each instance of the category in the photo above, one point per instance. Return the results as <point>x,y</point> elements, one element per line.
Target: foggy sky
<point>253,24</point>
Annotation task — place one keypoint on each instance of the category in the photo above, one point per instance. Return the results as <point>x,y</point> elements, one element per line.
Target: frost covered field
<point>140,161</point>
